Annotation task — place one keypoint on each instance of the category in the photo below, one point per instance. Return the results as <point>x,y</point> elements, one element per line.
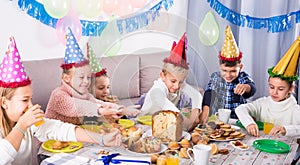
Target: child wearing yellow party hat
<point>101,84</point>
<point>18,116</point>
<point>166,92</point>
<point>72,100</point>
<point>229,87</point>
<point>281,106</point>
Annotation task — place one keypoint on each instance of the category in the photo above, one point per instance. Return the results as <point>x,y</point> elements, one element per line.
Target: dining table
<point>90,153</point>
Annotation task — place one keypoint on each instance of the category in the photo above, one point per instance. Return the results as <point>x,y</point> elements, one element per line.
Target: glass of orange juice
<point>172,157</point>
<point>39,122</point>
<point>268,125</point>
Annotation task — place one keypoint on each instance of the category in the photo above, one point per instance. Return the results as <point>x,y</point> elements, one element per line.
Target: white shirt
<point>158,98</point>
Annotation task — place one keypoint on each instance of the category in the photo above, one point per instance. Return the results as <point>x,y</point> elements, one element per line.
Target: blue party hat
<point>73,54</point>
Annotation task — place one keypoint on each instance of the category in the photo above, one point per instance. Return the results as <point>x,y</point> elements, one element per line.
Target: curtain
<point>261,49</point>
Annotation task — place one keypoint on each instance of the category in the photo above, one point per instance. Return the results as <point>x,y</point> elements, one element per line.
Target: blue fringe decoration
<point>275,24</point>
<point>95,28</point>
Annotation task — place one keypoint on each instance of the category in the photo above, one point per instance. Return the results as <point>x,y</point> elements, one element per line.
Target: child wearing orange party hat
<point>229,87</point>
<point>18,116</point>
<point>166,91</point>
<point>281,106</point>
<point>72,100</point>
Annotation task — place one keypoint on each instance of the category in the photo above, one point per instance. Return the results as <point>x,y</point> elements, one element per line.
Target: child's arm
<point>248,87</point>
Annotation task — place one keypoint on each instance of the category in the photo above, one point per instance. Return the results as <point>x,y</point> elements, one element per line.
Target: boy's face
<point>229,73</point>
<point>173,82</point>
<point>80,79</point>
<point>102,87</point>
<point>279,89</point>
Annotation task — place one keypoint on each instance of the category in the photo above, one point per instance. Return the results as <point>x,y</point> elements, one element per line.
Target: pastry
<point>167,125</point>
<point>185,143</point>
<point>57,145</point>
<point>173,145</point>
<point>223,151</point>
<point>183,153</point>
<point>145,145</point>
<point>161,160</point>
<point>195,137</point>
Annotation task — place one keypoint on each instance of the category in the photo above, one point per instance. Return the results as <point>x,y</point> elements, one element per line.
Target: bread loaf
<point>167,125</point>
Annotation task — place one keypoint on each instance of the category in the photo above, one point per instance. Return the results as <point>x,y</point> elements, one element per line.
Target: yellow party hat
<point>230,51</point>
<point>287,67</point>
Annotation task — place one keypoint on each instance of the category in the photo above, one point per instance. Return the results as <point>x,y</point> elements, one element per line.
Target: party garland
<point>274,24</point>
<point>95,28</point>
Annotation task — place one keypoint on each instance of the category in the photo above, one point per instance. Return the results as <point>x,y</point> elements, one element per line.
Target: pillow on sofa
<point>151,65</point>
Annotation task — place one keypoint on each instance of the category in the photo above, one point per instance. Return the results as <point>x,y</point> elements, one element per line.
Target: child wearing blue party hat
<point>72,100</point>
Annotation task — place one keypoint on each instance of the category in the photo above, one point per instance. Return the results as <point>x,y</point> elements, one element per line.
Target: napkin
<point>65,159</point>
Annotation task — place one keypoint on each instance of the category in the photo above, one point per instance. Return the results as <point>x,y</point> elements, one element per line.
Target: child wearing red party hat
<point>72,100</point>
<point>18,116</point>
<point>229,87</point>
<point>166,92</point>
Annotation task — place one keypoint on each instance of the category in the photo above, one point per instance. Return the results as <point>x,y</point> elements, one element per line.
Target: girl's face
<point>102,87</point>
<point>279,90</point>
<point>230,73</point>
<point>18,103</point>
<point>173,82</point>
<point>80,79</point>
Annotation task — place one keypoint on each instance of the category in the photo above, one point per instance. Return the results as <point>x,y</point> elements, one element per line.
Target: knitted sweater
<point>285,113</point>
<point>69,106</point>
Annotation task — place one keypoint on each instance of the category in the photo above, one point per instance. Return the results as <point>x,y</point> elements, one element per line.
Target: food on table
<point>161,160</point>
<point>58,145</point>
<point>173,145</point>
<point>167,125</point>
<point>153,158</point>
<point>214,148</point>
<point>223,151</point>
<point>225,132</point>
<point>102,152</point>
<point>239,144</point>
<point>132,134</point>
<point>183,153</point>
<point>145,145</point>
<point>185,143</point>
<point>195,137</point>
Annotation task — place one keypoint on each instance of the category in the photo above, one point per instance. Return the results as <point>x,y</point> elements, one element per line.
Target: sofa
<point>131,75</point>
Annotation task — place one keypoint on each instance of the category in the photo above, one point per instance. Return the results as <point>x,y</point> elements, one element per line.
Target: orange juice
<point>37,123</point>
<point>172,161</point>
<point>268,127</point>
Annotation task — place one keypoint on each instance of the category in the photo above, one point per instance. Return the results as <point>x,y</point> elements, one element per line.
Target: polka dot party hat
<point>73,53</point>
<point>230,51</point>
<point>12,73</point>
<point>96,67</point>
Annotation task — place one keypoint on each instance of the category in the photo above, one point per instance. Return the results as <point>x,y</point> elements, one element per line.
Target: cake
<point>167,125</point>
<point>145,145</point>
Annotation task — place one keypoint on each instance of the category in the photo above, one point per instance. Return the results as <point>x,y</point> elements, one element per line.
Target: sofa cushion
<point>124,75</point>
<point>151,65</point>
<point>45,76</point>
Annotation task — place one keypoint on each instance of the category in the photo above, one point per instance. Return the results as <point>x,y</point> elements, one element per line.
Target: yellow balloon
<point>209,30</point>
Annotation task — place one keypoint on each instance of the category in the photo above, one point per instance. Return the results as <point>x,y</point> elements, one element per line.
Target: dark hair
<point>289,82</point>
<point>229,63</point>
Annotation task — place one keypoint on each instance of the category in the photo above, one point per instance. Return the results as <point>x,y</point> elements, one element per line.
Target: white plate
<point>184,134</point>
<point>238,147</point>
<point>225,140</point>
<point>235,127</point>
<point>162,149</point>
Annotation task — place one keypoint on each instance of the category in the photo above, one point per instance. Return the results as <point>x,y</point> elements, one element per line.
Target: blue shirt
<point>220,94</point>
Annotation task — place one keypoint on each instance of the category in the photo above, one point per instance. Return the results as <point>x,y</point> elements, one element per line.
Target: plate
<point>126,123</point>
<point>225,140</point>
<point>235,127</point>
<point>94,128</point>
<point>162,149</point>
<point>271,146</point>
<point>259,124</point>
<point>184,134</point>
<point>238,147</point>
<point>147,120</point>
<point>73,146</point>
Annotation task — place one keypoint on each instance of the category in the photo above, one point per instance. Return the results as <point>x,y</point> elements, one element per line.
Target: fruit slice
<point>214,148</point>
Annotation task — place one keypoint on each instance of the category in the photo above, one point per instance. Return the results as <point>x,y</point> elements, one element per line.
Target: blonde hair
<point>173,69</point>
<point>6,126</point>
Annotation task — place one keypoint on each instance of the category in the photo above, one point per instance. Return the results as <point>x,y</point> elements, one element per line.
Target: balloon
<point>57,8</point>
<point>109,6</point>
<point>138,3</point>
<point>209,30</point>
<point>91,8</point>
<point>109,43</point>
<point>76,6</point>
<point>72,21</point>
<point>124,8</point>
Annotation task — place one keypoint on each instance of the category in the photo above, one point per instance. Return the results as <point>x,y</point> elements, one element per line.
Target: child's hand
<point>277,130</point>
<point>114,138</point>
<point>131,110</point>
<point>31,115</point>
<point>240,89</point>
<point>108,111</point>
<point>253,129</point>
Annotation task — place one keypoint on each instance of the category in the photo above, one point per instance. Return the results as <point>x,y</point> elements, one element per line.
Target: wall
<point>37,41</point>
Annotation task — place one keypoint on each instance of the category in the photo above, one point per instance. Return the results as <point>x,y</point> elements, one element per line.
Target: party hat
<point>96,67</point>
<point>287,67</point>
<point>73,53</point>
<point>230,51</point>
<point>12,72</point>
<point>178,54</point>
